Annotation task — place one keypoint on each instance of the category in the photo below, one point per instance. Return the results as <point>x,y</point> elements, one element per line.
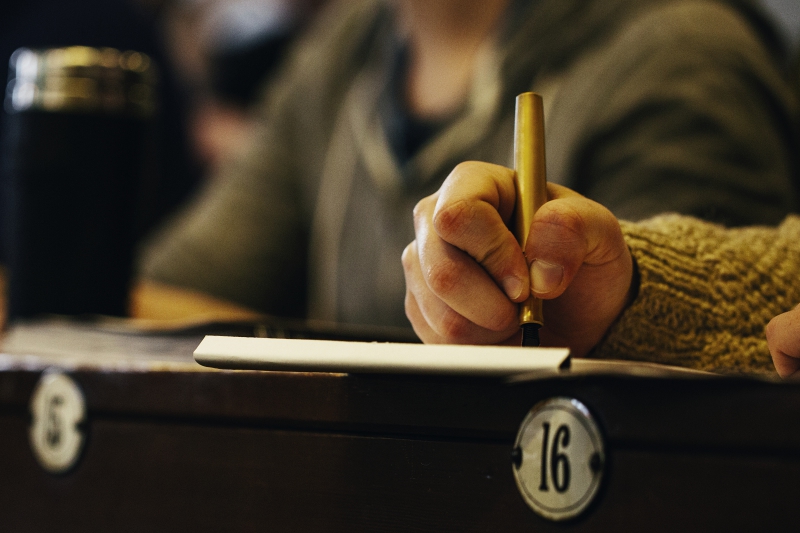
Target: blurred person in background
<point>651,106</point>
<point>225,50</point>
<point>670,289</point>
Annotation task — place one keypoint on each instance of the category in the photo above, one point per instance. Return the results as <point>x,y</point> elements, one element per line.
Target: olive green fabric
<point>706,293</point>
<point>651,106</point>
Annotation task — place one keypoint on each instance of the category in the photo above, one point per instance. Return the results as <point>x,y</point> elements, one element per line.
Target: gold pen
<point>531,184</point>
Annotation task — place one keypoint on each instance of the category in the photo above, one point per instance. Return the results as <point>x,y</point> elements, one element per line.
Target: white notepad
<point>301,355</point>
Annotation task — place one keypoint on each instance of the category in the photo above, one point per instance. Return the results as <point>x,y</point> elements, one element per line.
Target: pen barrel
<point>530,181</point>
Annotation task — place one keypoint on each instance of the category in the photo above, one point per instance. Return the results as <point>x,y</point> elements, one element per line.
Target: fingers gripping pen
<point>531,184</point>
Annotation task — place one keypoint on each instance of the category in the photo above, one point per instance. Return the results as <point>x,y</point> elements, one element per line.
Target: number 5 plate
<point>559,458</point>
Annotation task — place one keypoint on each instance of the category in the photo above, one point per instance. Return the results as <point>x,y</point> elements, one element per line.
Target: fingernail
<point>545,276</point>
<point>513,287</point>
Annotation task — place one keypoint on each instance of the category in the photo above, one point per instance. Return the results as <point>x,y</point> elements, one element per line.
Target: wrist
<point>636,280</point>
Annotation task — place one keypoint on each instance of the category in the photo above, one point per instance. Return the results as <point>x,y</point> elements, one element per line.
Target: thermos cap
<point>81,79</point>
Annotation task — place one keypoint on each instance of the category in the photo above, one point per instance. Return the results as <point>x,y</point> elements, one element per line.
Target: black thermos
<point>76,130</point>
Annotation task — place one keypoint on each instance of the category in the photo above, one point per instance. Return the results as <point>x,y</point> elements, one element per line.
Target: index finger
<point>474,206</point>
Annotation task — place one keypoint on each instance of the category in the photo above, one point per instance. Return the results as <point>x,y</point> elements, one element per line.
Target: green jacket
<point>651,106</point>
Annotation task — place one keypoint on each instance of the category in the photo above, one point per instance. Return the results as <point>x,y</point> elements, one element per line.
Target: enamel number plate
<point>558,458</point>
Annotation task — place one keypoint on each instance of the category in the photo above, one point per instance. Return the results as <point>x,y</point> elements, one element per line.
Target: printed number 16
<point>558,461</point>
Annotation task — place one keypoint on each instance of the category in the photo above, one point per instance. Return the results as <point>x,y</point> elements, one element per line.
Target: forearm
<point>706,293</point>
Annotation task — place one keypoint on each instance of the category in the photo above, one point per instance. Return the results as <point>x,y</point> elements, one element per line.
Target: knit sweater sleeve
<point>706,293</point>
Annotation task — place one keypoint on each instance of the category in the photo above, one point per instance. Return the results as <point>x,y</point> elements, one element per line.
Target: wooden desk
<point>172,446</point>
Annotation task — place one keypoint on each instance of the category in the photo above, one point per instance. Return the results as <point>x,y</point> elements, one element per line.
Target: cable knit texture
<point>706,293</point>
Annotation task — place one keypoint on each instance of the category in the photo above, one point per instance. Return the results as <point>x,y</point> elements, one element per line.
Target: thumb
<point>568,232</point>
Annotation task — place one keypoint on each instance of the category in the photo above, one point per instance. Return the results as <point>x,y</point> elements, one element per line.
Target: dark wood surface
<point>181,448</point>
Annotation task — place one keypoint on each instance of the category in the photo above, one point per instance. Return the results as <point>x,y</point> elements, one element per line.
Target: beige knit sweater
<point>706,293</point>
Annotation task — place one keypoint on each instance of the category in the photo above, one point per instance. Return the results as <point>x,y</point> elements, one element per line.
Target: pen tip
<point>530,335</point>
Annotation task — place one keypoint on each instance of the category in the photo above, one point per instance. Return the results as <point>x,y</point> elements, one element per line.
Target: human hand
<point>465,272</point>
<point>783,339</point>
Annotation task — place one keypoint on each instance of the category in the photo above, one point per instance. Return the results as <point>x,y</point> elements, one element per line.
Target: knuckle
<point>468,170</point>
<point>407,257</point>
<point>443,278</point>
<point>462,169</point>
<point>454,327</point>
<point>560,234</point>
<point>495,254</point>
<point>565,217</point>
<point>422,208</point>
<point>418,209</point>
<point>451,220</point>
